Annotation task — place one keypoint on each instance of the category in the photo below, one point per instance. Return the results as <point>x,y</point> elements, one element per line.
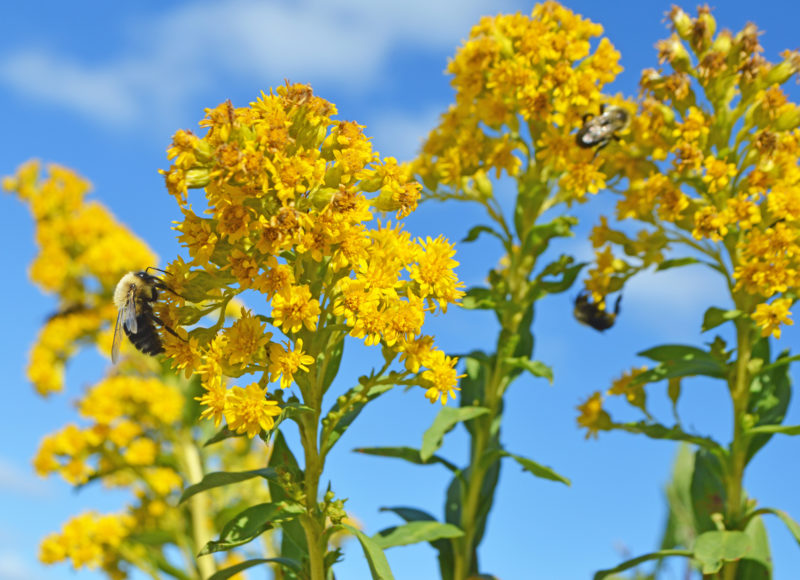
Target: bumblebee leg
<point>157,320</point>
<point>616,306</point>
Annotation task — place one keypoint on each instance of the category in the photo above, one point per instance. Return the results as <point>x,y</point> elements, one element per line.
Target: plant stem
<point>739,385</point>
<point>464,549</point>
<point>313,521</point>
<point>198,503</point>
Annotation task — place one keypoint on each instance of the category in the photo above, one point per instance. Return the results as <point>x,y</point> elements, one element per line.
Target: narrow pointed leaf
<point>473,234</point>
<point>790,523</point>
<point>537,469</point>
<point>220,478</point>
<point>633,562</point>
<point>415,532</point>
<point>477,298</point>
<point>408,453</point>
<point>535,367</point>
<point>676,263</point>
<point>251,523</point>
<point>378,565</point>
<point>447,418</point>
<point>715,316</point>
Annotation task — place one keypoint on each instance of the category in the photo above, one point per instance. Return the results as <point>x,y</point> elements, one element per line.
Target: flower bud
<point>682,22</point>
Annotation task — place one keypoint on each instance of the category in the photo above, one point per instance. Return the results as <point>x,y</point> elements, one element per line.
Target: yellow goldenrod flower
<point>442,375</point>
<point>769,317</point>
<point>284,362</point>
<point>249,411</point>
<point>593,417</point>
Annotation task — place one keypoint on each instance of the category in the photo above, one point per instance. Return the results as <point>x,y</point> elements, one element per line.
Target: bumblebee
<point>590,314</point>
<point>600,130</point>
<point>134,296</point>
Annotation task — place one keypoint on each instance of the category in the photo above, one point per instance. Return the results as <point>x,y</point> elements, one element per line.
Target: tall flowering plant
<point>523,86</point>
<point>712,183</point>
<point>137,427</point>
<point>284,216</point>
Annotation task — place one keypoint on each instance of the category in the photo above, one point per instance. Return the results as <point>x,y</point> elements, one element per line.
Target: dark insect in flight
<point>598,131</point>
<point>134,296</point>
<point>590,314</point>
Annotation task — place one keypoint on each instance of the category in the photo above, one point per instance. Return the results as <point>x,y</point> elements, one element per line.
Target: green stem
<point>313,521</point>
<point>464,548</point>
<point>740,391</point>
<point>198,503</point>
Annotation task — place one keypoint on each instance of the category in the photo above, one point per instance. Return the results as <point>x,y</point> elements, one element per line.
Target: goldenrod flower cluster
<point>523,85</point>
<point>717,143</point>
<point>127,413</point>
<point>290,217</point>
<point>89,540</point>
<point>83,251</point>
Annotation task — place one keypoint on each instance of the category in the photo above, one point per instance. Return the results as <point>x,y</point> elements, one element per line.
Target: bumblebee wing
<point>128,313</point>
<point>117,338</point>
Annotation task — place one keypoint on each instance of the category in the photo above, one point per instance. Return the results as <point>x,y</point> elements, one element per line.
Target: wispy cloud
<point>20,481</point>
<point>163,60</point>
<point>14,567</point>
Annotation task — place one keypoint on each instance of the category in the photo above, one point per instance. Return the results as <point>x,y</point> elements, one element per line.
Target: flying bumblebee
<point>590,314</point>
<point>134,296</point>
<point>598,131</point>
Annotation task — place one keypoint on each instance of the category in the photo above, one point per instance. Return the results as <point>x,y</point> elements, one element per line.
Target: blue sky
<point>100,87</point>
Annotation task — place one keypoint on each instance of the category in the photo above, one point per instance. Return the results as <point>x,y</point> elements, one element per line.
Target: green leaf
<point>473,234</point>
<point>676,263</point>
<point>757,565</point>
<point>790,523</point>
<point>538,237</point>
<point>330,359</point>
<point>236,568</point>
<point>251,523</point>
<point>408,453</point>
<point>447,418</point>
<point>343,422</point>
<point>221,435</point>
<point>715,316</point>
<point>770,393</point>
<point>293,537</point>
<point>536,468</point>
<point>220,478</point>
<point>633,562</point>
<point>562,284</point>
<point>680,361</point>
<point>712,549</point>
<point>782,429</point>
<point>708,490</point>
<point>415,532</point>
<point>535,367</point>
<point>659,431</point>
<point>442,546</point>
<point>478,298</point>
<point>378,565</point>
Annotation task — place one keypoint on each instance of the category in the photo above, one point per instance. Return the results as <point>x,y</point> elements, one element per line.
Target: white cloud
<point>169,56</point>
<point>400,134</point>
<point>19,481</point>
<point>13,567</point>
